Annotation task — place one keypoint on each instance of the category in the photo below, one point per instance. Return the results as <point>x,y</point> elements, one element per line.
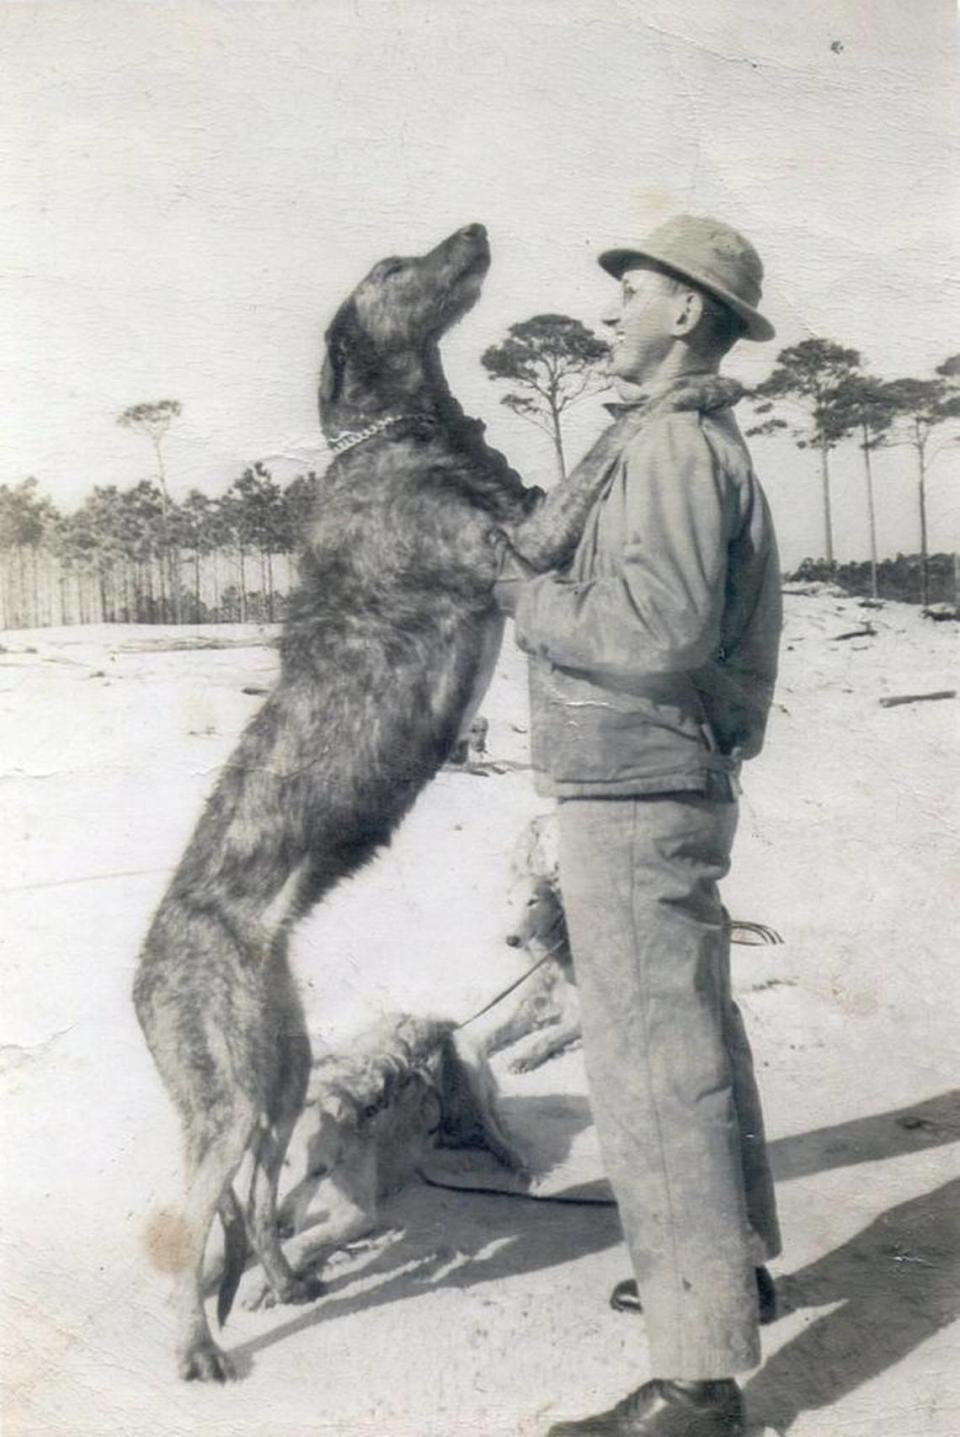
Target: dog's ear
<point>341,337</point>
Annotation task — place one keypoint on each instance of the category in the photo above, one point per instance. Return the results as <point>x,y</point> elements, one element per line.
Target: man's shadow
<point>898,1280</point>
<point>928,1124</point>
<point>899,1283</point>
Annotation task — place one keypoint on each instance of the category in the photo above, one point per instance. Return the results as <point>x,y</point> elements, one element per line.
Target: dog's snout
<point>513,940</point>
<point>474,232</point>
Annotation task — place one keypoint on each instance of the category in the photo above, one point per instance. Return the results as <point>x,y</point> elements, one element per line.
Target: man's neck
<point>679,364</point>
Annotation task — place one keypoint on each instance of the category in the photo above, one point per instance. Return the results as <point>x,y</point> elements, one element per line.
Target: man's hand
<point>513,573</point>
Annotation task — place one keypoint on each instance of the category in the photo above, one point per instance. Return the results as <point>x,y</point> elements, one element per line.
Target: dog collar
<point>350,438</point>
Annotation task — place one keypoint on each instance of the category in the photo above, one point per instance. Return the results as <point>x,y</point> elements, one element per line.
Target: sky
<point>189,190</point>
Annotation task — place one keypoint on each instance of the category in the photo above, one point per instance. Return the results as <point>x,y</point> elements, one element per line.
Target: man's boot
<point>667,1409</point>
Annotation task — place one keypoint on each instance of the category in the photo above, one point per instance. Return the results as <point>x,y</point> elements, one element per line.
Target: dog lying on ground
<point>544,1018</point>
<point>374,1111</point>
<point>371,1115</point>
<point>389,644</point>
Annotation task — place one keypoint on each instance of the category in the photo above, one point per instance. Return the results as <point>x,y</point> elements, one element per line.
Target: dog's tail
<point>235,1249</point>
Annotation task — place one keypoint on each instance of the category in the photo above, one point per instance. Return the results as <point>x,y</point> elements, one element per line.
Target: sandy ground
<point>482,1315</point>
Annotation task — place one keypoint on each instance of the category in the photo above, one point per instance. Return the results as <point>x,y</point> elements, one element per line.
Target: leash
<point>478,1191</point>
<point>762,934</point>
<point>505,993</point>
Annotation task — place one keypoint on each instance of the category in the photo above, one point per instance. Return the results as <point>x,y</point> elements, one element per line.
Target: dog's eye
<point>389,267</point>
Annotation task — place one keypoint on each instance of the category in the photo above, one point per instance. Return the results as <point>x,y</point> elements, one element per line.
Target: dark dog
<point>388,647</point>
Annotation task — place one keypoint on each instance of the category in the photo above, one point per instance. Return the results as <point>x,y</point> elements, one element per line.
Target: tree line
<point>819,393</point>
<point>829,397</point>
<point>136,555</point>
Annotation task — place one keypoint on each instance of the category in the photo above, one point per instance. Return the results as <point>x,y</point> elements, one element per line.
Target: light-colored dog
<point>371,1116</point>
<point>544,1018</point>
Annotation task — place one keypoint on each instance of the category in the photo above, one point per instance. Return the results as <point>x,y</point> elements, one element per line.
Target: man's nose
<point>611,316</point>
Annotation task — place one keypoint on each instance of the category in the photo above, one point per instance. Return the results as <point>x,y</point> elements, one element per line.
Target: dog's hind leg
<point>199,1001</point>
<point>198,1356</point>
<point>292,1046</point>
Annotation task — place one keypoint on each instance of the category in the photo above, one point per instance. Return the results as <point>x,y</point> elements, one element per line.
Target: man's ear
<point>689,313</point>
<point>340,337</point>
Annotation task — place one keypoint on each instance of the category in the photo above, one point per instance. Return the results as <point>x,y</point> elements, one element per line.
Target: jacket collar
<point>703,391</point>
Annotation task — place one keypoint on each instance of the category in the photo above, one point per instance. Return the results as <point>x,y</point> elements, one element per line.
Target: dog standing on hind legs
<point>390,643</point>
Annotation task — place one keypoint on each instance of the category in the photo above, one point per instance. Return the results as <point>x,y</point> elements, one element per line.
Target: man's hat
<point>712,255</point>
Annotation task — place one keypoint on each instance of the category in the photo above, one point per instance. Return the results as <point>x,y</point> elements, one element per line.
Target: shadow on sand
<point>897,1280</point>
<point>451,1240</point>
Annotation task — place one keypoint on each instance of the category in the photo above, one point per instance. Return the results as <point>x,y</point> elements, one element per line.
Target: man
<point>653,659</point>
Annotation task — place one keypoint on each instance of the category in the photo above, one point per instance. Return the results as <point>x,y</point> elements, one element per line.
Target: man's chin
<point>622,372</point>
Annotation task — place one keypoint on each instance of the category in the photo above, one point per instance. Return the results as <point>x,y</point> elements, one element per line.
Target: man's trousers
<point>670,1070</point>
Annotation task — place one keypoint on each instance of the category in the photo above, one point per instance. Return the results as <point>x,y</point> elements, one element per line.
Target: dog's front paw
<point>306,1287</point>
<point>516,1162</point>
<point>204,1361</point>
<point>525,1063</point>
<point>259,1298</point>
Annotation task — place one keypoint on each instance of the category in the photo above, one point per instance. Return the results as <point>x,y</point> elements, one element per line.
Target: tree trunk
<point>871,514</point>
<point>158,589</point>
<point>216,586</point>
<point>922,496</point>
<point>558,442</point>
<point>243,588</point>
<point>22,615</point>
<point>35,587</point>
<point>176,565</point>
<point>827,516</point>
<point>170,554</point>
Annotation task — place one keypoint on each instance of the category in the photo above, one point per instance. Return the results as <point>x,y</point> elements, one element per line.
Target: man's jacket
<point>654,653</point>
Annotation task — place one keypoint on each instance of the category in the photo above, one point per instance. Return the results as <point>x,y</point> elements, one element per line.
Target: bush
<point>897,578</point>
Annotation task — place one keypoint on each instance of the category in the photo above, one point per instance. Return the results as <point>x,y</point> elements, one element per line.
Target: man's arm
<point>661,613</point>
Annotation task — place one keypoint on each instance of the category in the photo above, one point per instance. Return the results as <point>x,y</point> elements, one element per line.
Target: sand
<point>482,1314</point>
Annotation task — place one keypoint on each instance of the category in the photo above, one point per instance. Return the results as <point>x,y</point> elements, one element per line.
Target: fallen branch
<point>867,632</point>
<point>942,613</point>
<point>917,698</point>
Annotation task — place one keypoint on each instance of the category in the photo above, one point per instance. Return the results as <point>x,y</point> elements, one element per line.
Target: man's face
<point>643,325</point>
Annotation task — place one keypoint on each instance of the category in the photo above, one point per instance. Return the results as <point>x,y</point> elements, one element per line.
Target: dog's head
<point>541,927</point>
<point>401,309</point>
<point>369,1115</point>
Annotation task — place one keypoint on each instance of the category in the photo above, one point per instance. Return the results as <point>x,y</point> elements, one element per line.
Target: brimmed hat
<point>712,255</point>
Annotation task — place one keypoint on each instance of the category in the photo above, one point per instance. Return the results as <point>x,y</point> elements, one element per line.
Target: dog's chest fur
<point>399,541</point>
